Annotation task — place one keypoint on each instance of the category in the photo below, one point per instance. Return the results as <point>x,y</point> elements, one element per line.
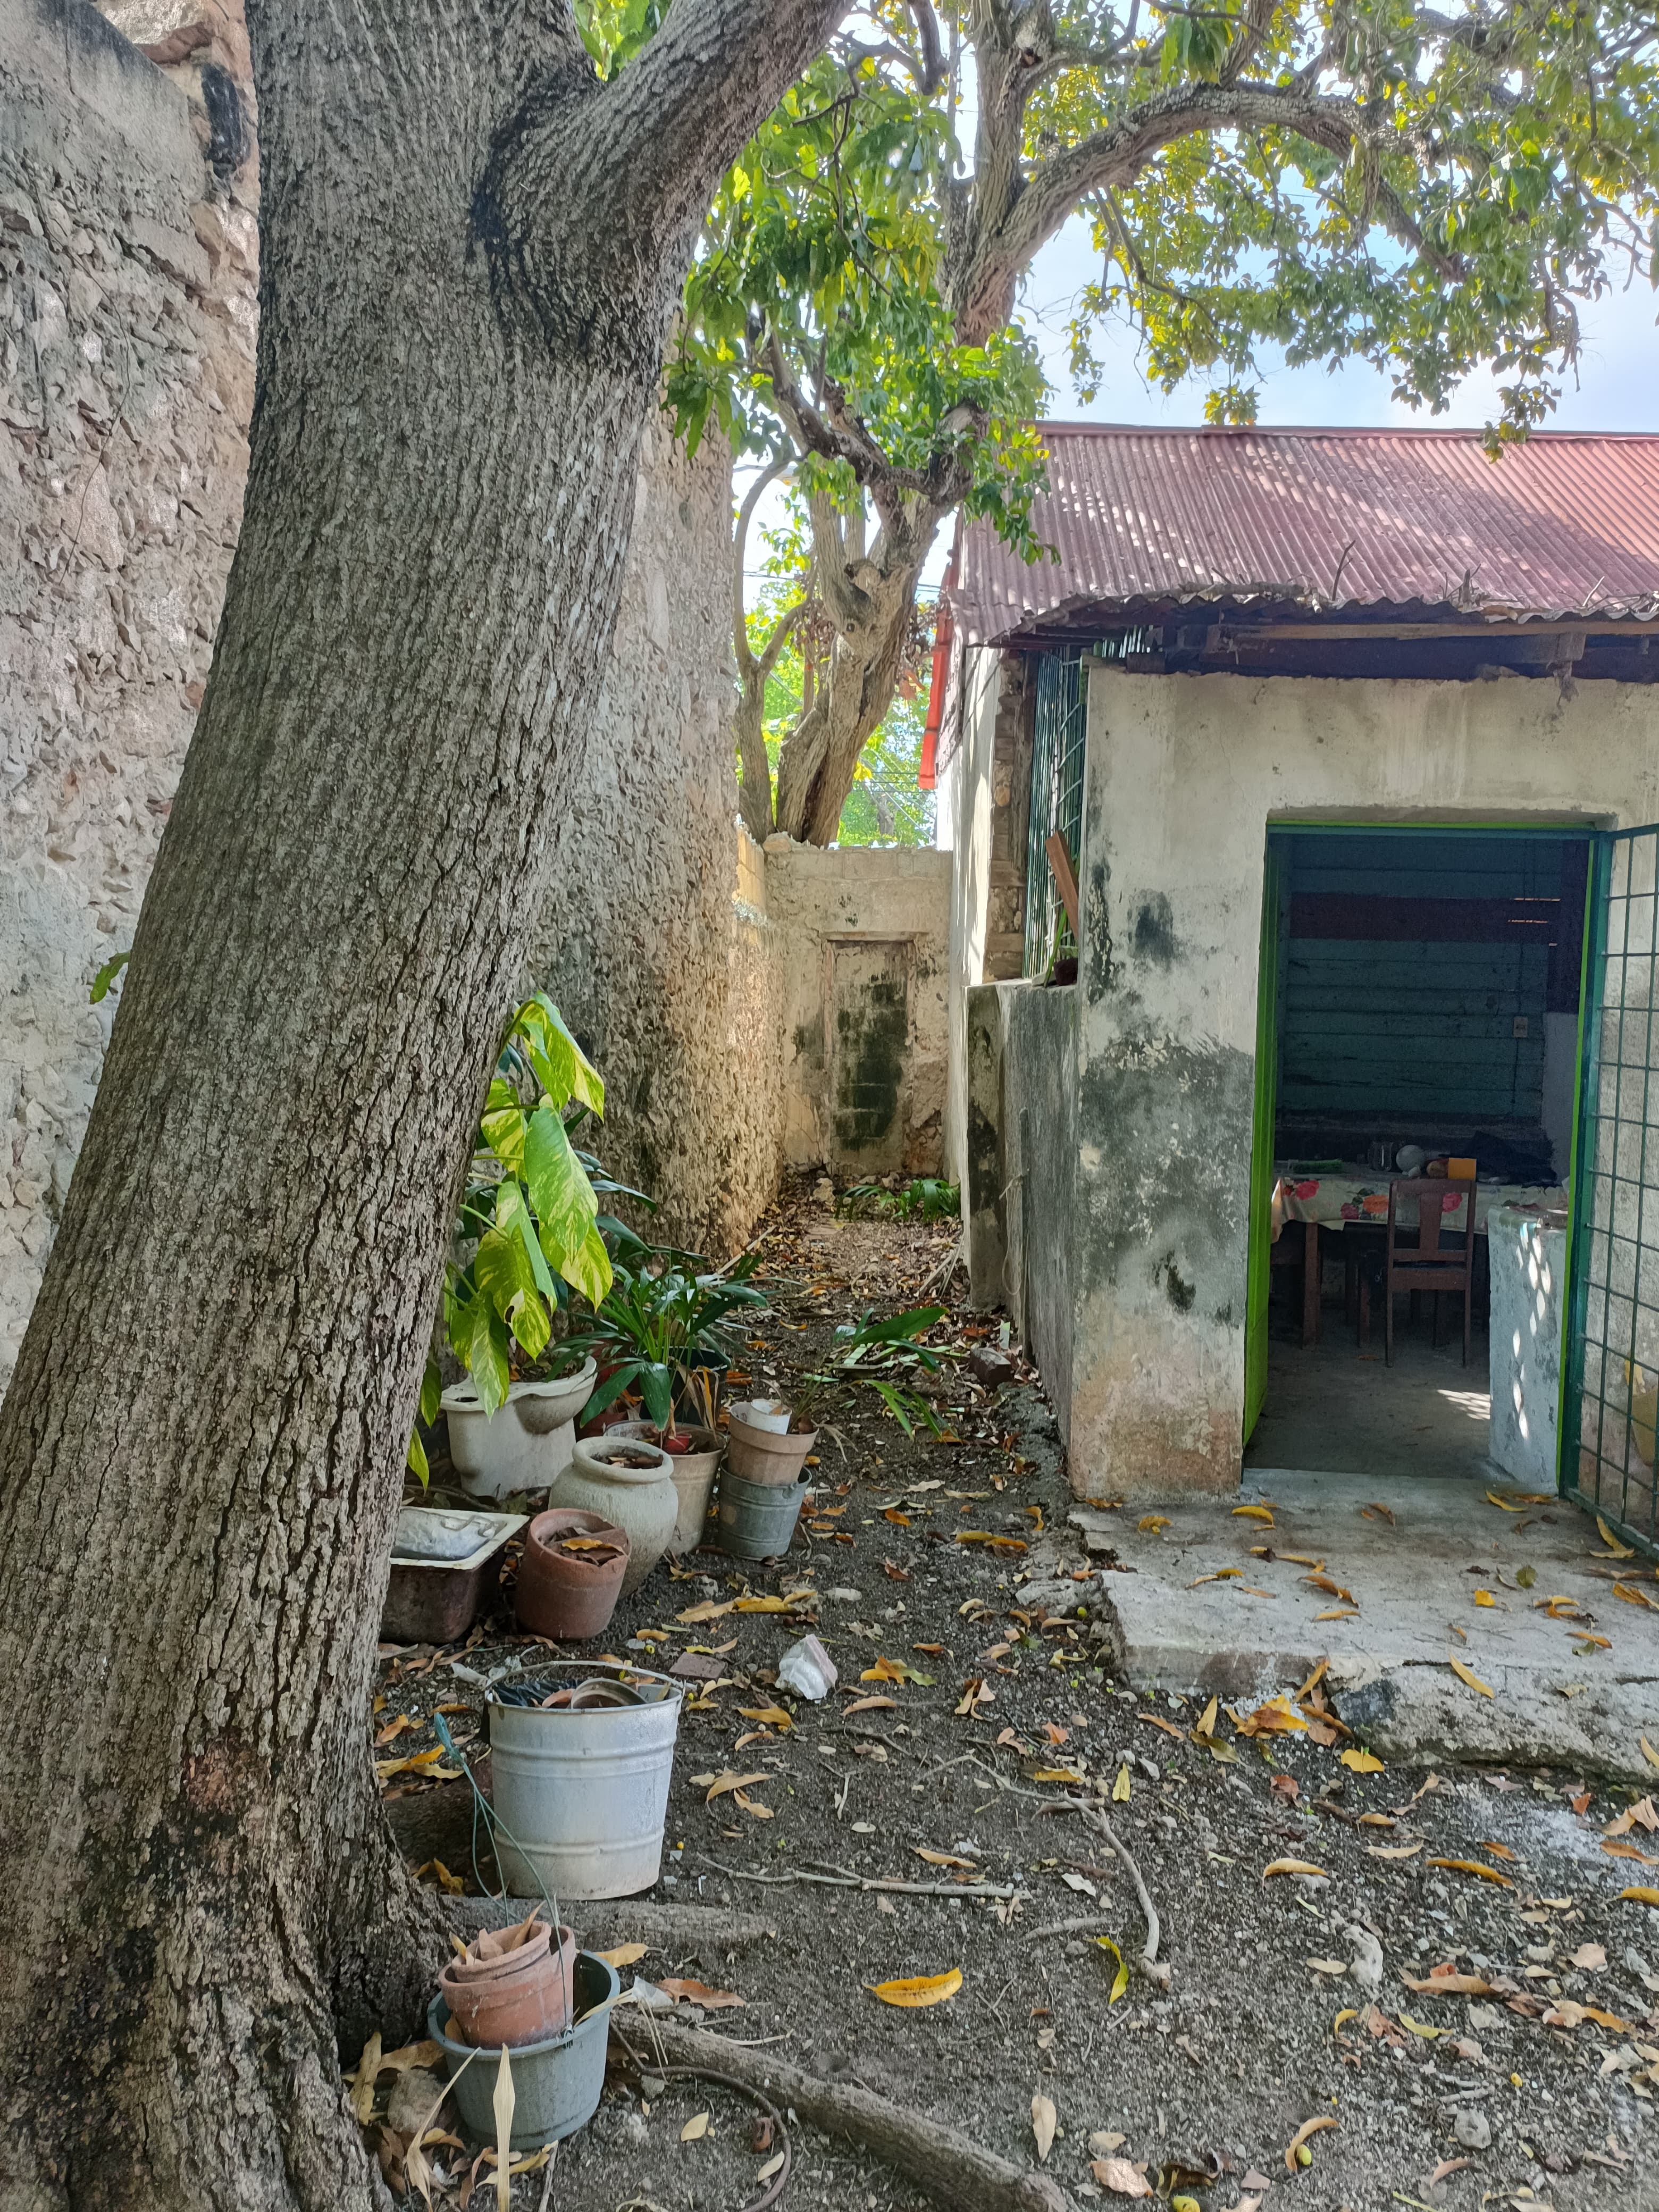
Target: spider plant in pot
<point>529,1234</point>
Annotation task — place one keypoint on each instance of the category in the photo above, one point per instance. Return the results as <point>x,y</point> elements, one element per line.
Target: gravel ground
<point>1289,1997</point>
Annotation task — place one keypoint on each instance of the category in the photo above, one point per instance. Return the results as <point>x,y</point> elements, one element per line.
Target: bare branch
<point>739,547</point>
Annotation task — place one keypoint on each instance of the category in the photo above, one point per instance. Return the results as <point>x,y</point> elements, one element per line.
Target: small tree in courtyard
<point>1429,189</point>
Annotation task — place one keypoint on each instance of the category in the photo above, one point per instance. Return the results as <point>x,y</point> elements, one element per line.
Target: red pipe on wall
<point>944,634</point>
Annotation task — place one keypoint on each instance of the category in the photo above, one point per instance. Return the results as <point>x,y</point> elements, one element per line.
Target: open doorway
<point>1419,1011</point>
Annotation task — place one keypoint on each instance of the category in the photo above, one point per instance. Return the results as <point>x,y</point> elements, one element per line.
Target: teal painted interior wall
<point>1421,1027</point>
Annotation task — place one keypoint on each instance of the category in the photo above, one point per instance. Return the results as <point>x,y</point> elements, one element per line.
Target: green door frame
<point>1260,1257</point>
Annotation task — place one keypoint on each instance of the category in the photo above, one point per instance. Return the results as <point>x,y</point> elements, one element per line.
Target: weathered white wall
<point>1184,775</point>
<point>967,797</point>
<point>825,903</point>
<point>127,313</point>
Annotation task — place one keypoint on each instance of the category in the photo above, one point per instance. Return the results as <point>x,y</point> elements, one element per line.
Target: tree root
<point>696,1927</point>
<point>946,2166</point>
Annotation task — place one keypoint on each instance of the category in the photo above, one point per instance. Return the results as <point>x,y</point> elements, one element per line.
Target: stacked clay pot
<point>565,1590</point>
<point>512,1987</point>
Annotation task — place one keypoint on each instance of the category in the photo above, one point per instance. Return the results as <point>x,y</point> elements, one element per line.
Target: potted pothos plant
<point>530,1232</point>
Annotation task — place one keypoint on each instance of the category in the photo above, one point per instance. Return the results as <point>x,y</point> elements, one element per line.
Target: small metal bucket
<point>556,2085</point>
<point>581,1794</point>
<point>756,1519</point>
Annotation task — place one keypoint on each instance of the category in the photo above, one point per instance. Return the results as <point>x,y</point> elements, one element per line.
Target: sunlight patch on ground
<point>1476,1404</point>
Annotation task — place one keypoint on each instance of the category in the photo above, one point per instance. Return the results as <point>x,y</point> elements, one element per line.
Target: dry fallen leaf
<point>1120,2177</point>
<point>709,1612</point>
<point>699,1993</point>
<point>1043,2120</point>
<point>625,1954</point>
<point>369,2068</point>
<point>942,1858</point>
<point>1501,1852</point>
<point>1629,1851</point>
<point>1485,1597</point>
<point>716,1786</point>
<point>752,1806</point>
<point>1588,1958</point>
<point>1450,1985</point>
<point>1361,1762</point>
<point>1649,1753</point>
<point>872,1705</point>
<point>768,1715</point>
<point>1638,1896</point>
<point>1254,1513</point>
<point>896,1670</point>
<point>501,2104</point>
<point>1615,1550</point>
<point>1119,1979</point>
<point>1299,2139</point>
<point>1121,1787</point>
<point>1278,1717</point>
<point>1378,1513</point>
<point>1292,1866</point>
<point>1394,1850</point>
<point>1468,1675</point>
<point>918,1991</point>
<point>1474,1866</point>
<point>695,2128</point>
<point>1150,1523</point>
<point>1639,1815</point>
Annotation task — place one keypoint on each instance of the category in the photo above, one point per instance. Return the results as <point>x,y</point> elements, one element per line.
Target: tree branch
<point>740,646</point>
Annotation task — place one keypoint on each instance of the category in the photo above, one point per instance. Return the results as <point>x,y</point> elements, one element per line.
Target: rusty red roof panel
<point>1566,524</point>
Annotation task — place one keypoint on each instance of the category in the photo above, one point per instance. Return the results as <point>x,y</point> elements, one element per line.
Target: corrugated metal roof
<point>1566,524</point>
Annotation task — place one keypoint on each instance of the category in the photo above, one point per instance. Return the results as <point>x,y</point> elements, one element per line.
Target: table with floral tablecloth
<point>1359,1195</point>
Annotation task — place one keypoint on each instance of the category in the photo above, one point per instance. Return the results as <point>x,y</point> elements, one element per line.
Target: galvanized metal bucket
<point>756,1519</point>
<point>556,2085</point>
<point>581,1796</point>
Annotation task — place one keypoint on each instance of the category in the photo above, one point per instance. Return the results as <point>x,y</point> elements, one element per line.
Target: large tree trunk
<point>469,253</point>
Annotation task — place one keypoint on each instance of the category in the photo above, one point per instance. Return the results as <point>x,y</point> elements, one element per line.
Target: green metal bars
<point>1611,1395</point>
<point>1057,759</point>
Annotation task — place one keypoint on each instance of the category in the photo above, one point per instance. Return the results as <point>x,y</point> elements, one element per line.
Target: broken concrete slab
<point>1218,1598</point>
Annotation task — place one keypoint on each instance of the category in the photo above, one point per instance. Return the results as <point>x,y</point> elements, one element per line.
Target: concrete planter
<point>694,1478</point>
<point>630,1484</point>
<point>527,1444</point>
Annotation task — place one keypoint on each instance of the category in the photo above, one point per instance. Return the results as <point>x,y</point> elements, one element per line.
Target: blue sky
<point>1618,386</point>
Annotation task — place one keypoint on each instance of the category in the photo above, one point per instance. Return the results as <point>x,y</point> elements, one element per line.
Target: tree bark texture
<point>469,253</point>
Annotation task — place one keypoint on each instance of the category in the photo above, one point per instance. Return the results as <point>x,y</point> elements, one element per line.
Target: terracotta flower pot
<point>523,1996</point>
<point>564,1593</point>
<point>762,1455</point>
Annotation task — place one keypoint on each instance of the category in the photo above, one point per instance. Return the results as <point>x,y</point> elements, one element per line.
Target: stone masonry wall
<point>128,240</point>
<point>656,942</point>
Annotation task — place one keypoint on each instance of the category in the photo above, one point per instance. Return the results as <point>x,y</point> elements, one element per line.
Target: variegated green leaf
<point>588,1268</point>
<point>503,1125</point>
<point>559,1189</point>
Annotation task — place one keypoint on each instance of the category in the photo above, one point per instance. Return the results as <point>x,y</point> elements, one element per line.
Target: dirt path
<point>1010,1713</point>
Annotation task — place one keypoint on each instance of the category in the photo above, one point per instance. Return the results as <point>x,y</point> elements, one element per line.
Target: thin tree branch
<point>739,546</point>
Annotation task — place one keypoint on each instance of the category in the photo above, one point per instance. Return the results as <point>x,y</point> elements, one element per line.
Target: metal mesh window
<point>1057,756</point>
<point>1613,1377</point>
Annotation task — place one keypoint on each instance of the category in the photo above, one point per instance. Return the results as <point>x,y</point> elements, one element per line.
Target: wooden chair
<point>1441,1260</point>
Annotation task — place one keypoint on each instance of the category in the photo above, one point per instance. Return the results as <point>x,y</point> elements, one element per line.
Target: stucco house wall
<point>1185,775</point>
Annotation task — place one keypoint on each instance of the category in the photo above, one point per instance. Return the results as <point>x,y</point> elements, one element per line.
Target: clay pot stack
<point>512,1986</point>
<point>571,1573</point>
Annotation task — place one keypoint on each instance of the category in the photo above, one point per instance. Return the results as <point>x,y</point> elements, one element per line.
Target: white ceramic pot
<point>640,1499</point>
<point>769,1414</point>
<point>527,1444</point>
<point>694,1477</point>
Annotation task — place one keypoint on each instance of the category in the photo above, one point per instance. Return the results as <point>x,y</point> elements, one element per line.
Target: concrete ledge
<point>1259,1631</point>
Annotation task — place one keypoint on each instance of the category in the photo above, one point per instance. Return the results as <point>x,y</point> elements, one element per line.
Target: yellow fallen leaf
<point>1206,1725</point>
<point>942,1858</point>
<point>1347,2014</point>
<point>1638,1896</point>
<point>752,1806</point>
<point>1292,1866</point>
<point>1500,1852</point>
<point>695,2128</point>
<point>1419,2027</point>
<point>1394,1850</point>
<point>1158,1721</point>
<point>1150,1523</point>
<point>985,1536</point>
<point>768,1715</point>
<point>1121,1787</point>
<point>1649,1753</point>
<point>873,1705</point>
<point>1468,1675</point>
<point>1278,1717</point>
<point>1044,2119</point>
<point>1474,1866</point>
<point>1298,2140</point>
<point>1056,1774</point>
<point>1630,1851</point>
<point>896,1670</point>
<point>1361,1762</point>
<point>788,1602</point>
<point>1221,1575</point>
<point>369,2068</point>
<point>625,1954</point>
<point>918,1991</point>
<point>1615,1549</point>
<point>1631,1596</point>
<point>1331,1587</point>
<point>1121,1979</point>
<point>1340,1612</point>
<point>1254,1513</point>
<point>1485,1597</point>
<point>709,1612</point>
